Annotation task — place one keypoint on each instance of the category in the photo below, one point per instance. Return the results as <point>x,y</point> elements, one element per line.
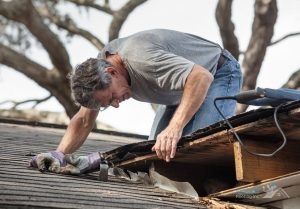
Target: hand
<point>81,164</point>
<point>51,161</point>
<point>166,143</point>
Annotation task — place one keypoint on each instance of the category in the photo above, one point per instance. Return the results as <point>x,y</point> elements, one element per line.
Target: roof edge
<point>60,126</point>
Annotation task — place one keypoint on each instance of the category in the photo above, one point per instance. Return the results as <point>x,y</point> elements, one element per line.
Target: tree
<point>42,21</point>
<point>37,17</point>
<point>262,32</point>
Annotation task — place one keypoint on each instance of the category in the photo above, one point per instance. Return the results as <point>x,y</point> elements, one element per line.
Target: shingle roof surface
<point>21,187</point>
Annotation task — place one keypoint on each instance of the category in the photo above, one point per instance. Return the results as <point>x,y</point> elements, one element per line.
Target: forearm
<point>79,128</point>
<point>195,91</point>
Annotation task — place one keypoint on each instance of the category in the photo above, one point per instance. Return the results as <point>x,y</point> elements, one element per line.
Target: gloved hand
<point>51,161</point>
<point>81,164</point>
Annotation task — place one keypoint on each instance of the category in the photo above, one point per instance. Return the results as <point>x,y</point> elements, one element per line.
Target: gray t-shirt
<point>159,61</point>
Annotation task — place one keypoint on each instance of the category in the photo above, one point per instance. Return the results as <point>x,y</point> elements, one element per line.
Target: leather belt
<point>221,61</point>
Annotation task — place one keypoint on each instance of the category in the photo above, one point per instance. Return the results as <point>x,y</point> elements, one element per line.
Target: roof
<point>22,187</point>
<point>201,159</point>
<point>213,155</point>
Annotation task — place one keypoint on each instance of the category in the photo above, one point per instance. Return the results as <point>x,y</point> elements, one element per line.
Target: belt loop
<point>221,60</point>
<point>225,52</point>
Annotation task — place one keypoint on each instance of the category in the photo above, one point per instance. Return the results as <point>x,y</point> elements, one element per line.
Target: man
<point>181,72</point>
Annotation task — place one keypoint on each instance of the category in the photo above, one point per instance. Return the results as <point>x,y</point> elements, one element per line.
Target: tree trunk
<point>294,81</point>
<point>262,32</point>
<point>226,27</point>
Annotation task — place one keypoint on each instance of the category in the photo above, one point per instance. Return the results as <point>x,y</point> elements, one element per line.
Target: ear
<point>111,70</point>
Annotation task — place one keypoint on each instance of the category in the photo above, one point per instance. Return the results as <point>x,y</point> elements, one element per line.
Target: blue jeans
<point>227,82</point>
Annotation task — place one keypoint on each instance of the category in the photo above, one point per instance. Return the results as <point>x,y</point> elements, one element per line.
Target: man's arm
<point>195,91</point>
<point>79,128</point>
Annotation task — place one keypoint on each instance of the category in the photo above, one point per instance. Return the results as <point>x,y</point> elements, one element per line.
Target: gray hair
<point>88,77</point>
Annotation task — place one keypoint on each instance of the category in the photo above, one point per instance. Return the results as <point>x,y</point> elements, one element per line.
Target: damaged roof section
<point>213,161</point>
<point>256,123</point>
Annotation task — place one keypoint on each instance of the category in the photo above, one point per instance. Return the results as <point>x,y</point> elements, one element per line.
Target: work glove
<point>51,161</point>
<point>77,165</point>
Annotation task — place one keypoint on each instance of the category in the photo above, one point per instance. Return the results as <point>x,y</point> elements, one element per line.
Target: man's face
<point>117,92</point>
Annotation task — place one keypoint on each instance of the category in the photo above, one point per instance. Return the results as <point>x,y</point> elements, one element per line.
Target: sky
<point>192,16</point>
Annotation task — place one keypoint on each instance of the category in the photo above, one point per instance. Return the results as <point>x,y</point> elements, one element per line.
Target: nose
<point>115,103</point>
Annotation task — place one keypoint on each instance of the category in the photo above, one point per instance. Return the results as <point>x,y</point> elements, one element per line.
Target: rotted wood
<point>258,122</point>
<point>266,128</point>
<point>216,149</point>
<point>216,145</point>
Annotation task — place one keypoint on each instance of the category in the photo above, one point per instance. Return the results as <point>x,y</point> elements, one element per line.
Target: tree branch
<point>47,79</point>
<point>120,16</point>
<point>24,12</point>
<point>284,37</point>
<point>262,31</point>
<point>71,27</point>
<point>24,65</point>
<point>91,4</point>
<point>226,27</point>
<point>36,101</point>
<point>294,81</point>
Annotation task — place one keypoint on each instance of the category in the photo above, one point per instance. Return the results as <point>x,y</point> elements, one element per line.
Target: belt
<point>221,61</point>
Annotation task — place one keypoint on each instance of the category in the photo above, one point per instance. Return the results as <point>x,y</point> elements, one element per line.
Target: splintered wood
<point>259,134</point>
